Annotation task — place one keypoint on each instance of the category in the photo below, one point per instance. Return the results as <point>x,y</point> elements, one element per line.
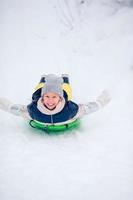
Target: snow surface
<point>92,41</point>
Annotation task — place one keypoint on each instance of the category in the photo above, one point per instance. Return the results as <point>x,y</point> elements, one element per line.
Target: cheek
<point>44,100</point>
<point>56,101</point>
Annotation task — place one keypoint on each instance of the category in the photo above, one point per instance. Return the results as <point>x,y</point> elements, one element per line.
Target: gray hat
<point>53,84</point>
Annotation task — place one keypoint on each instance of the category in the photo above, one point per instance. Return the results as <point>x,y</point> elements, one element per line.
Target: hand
<point>104,98</point>
<point>5,104</point>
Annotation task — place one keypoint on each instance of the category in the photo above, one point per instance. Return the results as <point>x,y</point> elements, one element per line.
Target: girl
<point>51,103</point>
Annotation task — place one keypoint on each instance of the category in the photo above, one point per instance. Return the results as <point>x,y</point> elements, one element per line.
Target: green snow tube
<point>54,128</point>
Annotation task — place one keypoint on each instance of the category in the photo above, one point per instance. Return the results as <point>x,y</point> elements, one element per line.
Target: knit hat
<point>53,83</point>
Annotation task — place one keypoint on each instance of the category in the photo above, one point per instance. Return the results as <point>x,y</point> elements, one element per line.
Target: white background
<point>92,41</point>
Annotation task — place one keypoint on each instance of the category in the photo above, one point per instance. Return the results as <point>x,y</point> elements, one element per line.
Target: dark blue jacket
<point>68,112</point>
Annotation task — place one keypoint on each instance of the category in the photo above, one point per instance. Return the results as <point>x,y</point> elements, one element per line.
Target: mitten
<point>5,104</point>
<point>104,98</point>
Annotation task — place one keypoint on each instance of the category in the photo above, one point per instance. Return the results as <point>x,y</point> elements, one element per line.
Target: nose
<point>50,100</point>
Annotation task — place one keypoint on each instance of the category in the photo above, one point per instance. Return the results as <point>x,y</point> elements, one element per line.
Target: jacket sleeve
<point>20,110</point>
<point>15,109</point>
<point>88,108</point>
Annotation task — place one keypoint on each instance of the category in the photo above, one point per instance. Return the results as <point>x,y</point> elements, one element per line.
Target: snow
<point>92,41</point>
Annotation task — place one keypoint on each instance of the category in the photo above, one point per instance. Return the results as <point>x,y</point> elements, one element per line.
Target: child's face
<point>51,100</point>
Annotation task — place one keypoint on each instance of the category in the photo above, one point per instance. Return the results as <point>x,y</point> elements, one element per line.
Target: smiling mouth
<point>50,107</point>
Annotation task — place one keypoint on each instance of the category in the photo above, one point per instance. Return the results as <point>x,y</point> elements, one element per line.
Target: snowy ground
<point>93,42</point>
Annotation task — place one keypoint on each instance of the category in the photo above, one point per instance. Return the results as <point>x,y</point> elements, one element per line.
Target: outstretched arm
<point>88,108</point>
<point>15,109</point>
